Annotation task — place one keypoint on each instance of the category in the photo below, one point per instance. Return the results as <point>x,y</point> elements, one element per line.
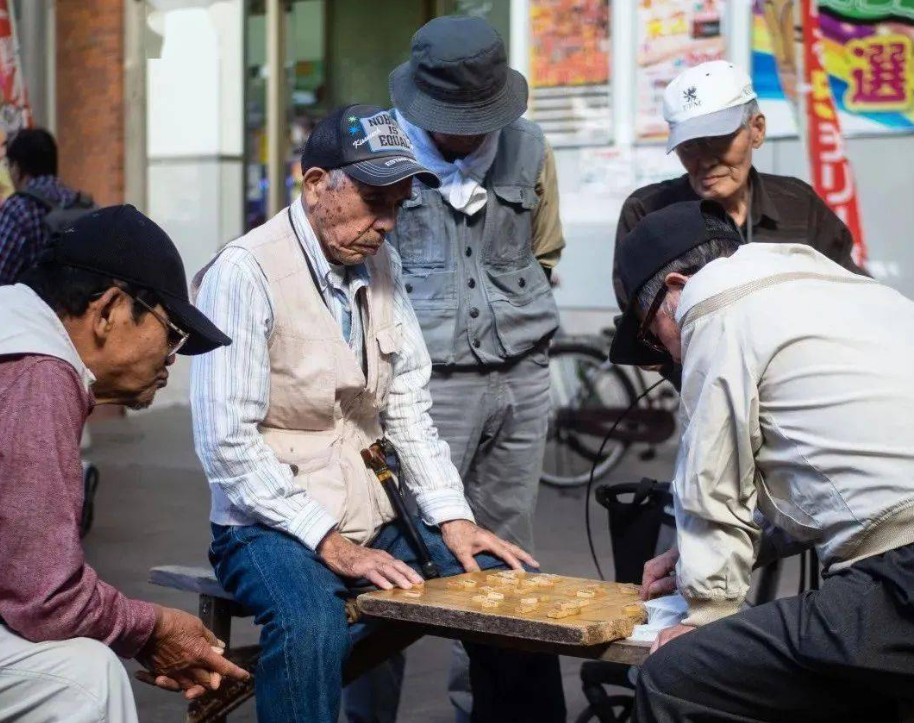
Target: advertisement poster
<point>672,35</point>
<point>14,103</point>
<point>868,51</point>
<point>569,70</point>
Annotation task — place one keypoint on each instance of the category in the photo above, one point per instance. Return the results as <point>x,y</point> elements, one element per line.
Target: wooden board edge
<point>593,633</point>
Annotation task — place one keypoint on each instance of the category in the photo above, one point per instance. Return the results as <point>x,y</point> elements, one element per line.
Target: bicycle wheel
<point>582,379</point>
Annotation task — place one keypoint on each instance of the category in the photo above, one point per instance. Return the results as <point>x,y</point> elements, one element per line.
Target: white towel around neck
<point>461,181</point>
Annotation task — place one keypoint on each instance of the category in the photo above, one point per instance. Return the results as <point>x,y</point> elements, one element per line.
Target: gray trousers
<point>78,680</point>
<point>494,422</point>
<point>842,653</point>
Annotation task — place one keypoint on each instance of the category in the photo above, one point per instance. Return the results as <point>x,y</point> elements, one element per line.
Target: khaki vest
<point>323,408</point>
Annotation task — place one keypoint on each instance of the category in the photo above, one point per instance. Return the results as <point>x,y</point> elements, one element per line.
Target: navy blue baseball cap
<point>122,243</point>
<point>368,144</point>
<point>659,238</point>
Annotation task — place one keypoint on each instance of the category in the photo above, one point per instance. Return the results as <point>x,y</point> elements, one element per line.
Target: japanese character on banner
<point>881,77</point>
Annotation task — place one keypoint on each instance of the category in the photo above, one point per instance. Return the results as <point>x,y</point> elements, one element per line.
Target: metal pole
<point>135,150</point>
<point>277,130</point>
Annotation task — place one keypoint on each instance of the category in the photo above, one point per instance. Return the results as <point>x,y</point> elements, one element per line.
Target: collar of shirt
<point>329,275</point>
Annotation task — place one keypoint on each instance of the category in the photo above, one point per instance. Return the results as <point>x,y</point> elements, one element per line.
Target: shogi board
<point>610,614</point>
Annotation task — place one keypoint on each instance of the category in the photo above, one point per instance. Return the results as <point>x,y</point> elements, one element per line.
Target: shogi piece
<point>564,610</point>
<point>413,593</point>
<point>463,584</point>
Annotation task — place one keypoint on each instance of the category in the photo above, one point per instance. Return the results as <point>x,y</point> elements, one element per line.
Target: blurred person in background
<point>97,321</point>
<point>41,204</point>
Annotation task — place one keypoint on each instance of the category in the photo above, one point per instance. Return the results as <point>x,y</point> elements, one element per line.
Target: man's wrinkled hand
<point>466,540</point>
<point>183,654</point>
<point>668,634</point>
<point>658,577</point>
<point>347,559</point>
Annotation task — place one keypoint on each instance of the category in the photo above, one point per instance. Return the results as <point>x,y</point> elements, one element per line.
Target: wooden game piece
<point>564,610</point>
<point>636,610</point>
<point>479,598</point>
<point>413,593</point>
<point>627,589</point>
<point>461,584</point>
<point>583,602</point>
<point>587,594</point>
<point>489,603</point>
<point>543,580</point>
<point>493,595</point>
<point>492,588</point>
<point>528,607</point>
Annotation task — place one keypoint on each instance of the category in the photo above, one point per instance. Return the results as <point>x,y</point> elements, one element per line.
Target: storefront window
<point>305,83</point>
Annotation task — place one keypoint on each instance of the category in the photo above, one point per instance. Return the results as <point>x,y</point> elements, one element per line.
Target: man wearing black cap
<point>327,357</point>
<point>97,321</point>
<point>795,407</point>
<point>477,252</point>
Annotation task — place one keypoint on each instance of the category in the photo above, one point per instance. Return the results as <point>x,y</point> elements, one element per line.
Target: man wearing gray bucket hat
<point>477,255</point>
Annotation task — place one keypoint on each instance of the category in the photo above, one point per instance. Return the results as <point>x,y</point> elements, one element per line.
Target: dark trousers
<point>305,639</point>
<point>842,653</point>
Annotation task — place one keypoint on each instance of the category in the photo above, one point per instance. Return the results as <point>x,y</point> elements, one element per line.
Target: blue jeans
<point>305,638</point>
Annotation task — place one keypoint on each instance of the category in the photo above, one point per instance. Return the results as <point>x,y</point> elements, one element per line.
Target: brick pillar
<point>90,96</point>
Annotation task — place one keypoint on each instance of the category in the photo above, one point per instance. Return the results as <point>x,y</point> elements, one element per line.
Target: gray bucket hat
<point>457,80</point>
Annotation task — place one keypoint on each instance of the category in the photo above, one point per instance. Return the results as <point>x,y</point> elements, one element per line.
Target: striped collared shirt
<point>230,390</point>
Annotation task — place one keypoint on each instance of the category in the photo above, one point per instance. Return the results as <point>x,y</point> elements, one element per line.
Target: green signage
<point>870,9</point>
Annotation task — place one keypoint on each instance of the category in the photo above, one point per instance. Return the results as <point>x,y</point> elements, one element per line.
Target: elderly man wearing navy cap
<point>794,406</point>
<point>328,357</point>
<point>97,321</point>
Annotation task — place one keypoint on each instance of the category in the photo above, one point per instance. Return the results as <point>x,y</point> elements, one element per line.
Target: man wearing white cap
<point>715,125</point>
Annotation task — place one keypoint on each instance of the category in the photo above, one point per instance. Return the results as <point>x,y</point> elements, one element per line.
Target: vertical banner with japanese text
<point>798,47</point>
<point>15,112</point>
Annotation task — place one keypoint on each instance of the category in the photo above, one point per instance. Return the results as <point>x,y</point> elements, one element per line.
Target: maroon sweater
<point>47,591</point>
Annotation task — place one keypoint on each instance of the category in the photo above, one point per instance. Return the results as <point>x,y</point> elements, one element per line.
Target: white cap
<point>706,100</point>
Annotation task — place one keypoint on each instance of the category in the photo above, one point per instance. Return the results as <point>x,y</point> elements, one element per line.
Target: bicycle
<point>588,394</point>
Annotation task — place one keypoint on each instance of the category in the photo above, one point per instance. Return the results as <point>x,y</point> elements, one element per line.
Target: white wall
<point>196,134</point>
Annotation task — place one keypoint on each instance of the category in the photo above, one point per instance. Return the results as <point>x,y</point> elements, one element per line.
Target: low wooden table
<point>587,637</point>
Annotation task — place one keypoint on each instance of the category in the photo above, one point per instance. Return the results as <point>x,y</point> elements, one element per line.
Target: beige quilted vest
<point>323,409</point>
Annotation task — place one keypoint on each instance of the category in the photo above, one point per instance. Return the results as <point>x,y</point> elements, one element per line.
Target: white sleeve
<point>714,483</point>
<point>230,395</point>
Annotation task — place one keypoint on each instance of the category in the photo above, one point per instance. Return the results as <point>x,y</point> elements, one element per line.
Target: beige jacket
<point>797,397</point>
<point>324,409</point>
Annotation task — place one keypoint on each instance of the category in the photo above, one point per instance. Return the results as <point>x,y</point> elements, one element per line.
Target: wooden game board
<point>568,610</point>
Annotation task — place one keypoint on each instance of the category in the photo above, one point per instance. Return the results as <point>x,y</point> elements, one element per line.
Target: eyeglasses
<point>645,335</point>
<point>176,337</point>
